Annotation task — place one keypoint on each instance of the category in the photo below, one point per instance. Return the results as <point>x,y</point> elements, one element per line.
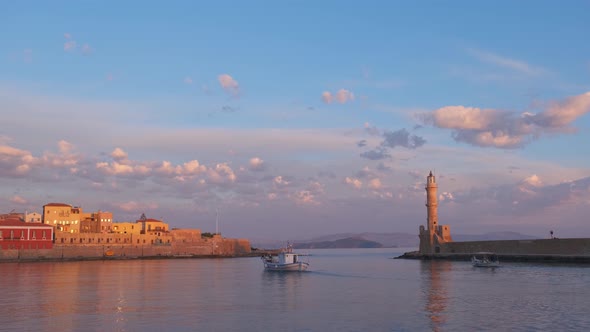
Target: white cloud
<point>560,114</point>
<point>134,206</point>
<point>356,183</point>
<point>16,199</point>
<point>505,62</point>
<point>446,196</point>
<point>229,84</point>
<point>118,154</point>
<point>461,117</point>
<point>375,184</point>
<point>256,164</point>
<point>221,173</point>
<point>342,96</point>
<point>305,197</point>
<point>280,181</point>
<point>533,181</point>
<point>188,80</point>
<point>503,129</point>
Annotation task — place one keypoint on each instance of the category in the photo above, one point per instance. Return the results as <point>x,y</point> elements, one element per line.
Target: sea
<point>344,290</point>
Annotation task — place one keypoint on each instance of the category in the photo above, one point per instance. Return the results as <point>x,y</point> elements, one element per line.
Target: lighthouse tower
<point>431,207</point>
<point>434,235</point>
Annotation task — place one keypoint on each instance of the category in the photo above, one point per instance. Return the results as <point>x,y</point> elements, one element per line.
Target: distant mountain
<point>385,239</point>
<point>350,242</point>
<point>388,240</point>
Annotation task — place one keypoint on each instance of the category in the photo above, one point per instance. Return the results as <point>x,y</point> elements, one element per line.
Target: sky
<point>294,119</point>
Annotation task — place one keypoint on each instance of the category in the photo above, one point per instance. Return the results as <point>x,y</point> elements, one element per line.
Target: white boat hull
<point>299,266</point>
<point>485,259</point>
<point>486,264</point>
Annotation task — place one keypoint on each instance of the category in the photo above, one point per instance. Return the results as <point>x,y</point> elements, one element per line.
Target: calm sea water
<point>346,290</point>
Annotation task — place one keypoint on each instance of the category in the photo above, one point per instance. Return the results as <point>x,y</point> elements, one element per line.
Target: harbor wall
<point>182,244</point>
<point>573,247</point>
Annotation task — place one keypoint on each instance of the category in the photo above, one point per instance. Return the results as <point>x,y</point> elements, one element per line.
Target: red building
<point>15,234</point>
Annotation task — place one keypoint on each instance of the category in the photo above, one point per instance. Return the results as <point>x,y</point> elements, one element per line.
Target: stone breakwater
<point>540,250</point>
<point>502,257</point>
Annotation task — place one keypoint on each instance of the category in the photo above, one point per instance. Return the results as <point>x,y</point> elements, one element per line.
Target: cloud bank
<point>504,129</point>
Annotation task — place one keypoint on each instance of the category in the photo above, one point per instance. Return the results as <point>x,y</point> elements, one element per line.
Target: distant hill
<point>387,240</point>
<point>350,242</point>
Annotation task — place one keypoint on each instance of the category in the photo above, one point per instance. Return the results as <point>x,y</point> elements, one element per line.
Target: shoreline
<point>126,258</point>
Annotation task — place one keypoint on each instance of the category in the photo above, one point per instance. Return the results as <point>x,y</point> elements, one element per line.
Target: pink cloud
<point>14,161</point>
<point>304,197</point>
<point>229,84</point>
<point>354,182</point>
<point>256,164</point>
<point>221,173</point>
<point>119,155</point>
<point>375,184</point>
<point>16,199</point>
<point>342,96</point>
<point>503,129</point>
<point>133,206</point>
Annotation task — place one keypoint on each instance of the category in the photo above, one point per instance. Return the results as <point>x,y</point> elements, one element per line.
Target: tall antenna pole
<point>216,220</point>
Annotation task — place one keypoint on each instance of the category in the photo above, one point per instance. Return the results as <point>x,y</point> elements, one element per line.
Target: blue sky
<point>300,118</point>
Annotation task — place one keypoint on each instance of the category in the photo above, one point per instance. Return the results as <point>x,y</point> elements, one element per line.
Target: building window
<point>1,237</point>
<point>34,236</point>
<point>44,235</point>
<point>11,234</point>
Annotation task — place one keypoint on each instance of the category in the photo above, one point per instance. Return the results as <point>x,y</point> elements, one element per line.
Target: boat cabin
<point>287,258</point>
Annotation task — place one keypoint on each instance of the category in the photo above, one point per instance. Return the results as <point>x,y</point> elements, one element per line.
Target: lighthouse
<point>434,235</point>
<point>431,204</point>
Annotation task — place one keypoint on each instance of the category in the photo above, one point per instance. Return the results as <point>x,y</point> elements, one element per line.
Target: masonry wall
<point>522,247</point>
<point>216,246</point>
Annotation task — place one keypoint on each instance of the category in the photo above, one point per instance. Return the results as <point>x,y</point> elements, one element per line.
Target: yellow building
<point>67,218</point>
<point>126,228</point>
<point>63,217</point>
<point>153,226</point>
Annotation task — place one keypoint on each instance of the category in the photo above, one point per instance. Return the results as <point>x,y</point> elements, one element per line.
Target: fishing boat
<point>485,259</point>
<point>285,260</point>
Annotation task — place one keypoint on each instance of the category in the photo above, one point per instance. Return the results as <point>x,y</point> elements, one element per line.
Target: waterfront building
<point>15,234</point>
<point>96,222</point>
<point>33,217</point>
<point>63,217</point>
<point>12,215</point>
<point>152,226</point>
<point>72,219</point>
<point>127,228</point>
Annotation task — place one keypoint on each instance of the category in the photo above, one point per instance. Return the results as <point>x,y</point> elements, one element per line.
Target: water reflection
<point>282,288</point>
<point>435,283</point>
